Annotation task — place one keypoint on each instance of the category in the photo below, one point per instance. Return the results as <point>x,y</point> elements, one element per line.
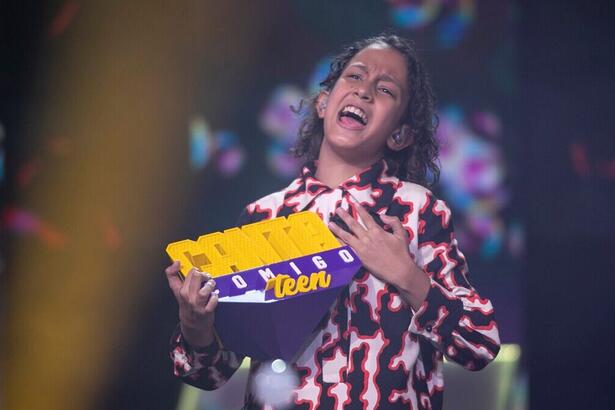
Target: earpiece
<point>397,138</point>
<point>323,104</point>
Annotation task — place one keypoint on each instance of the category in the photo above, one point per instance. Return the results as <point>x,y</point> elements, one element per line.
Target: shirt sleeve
<point>206,368</point>
<point>454,317</point>
<point>210,367</point>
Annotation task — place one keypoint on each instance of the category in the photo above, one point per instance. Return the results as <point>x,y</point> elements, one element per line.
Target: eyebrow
<point>385,76</point>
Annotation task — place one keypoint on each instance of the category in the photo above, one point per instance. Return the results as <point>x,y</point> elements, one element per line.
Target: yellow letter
<point>277,283</point>
<point>246,251</point>
<point>310,233</point>
<point>254,245</point>
<point>210,253</point>
<point>288,287</point>
<point>216,249</point>
<point>320,279</point>
<point>302,284</point>
<point>274,232</point>
<point>188,253</point>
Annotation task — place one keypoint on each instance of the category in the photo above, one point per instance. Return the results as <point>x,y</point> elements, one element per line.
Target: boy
<point>369,145</point>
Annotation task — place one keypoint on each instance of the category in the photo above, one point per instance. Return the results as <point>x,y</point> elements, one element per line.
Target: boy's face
<point>365,107</point>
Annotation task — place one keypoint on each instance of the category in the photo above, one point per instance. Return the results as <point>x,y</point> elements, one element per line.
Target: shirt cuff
<point>438,316</point>
<point>188,360</point>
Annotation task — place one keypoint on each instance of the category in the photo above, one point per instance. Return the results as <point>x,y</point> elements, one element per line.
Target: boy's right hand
<point>197,304</point>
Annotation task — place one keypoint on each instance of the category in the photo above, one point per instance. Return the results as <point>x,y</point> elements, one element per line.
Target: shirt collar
<point>378,179</point>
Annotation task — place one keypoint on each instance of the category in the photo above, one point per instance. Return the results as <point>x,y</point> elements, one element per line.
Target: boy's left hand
<point>384,254</point>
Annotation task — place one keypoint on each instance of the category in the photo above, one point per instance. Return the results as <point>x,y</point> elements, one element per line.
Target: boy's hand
<point>384,254</point>
<point>197,304</point>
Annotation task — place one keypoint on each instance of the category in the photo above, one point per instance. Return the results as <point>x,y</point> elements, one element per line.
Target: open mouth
<point>352,117</point>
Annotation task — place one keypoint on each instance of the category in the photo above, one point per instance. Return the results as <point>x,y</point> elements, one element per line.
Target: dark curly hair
<point>417,161</point>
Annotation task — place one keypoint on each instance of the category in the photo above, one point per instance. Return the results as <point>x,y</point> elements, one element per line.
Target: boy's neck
<point>332,170</point>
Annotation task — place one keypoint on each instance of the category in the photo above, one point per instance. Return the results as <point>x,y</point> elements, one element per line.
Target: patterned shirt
<point>371,350</point>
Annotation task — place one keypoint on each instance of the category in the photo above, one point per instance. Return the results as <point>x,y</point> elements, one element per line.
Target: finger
<point>197,286</point>
<point>188,279</point>
<point>332,228</point>
<point>366,218</point>
<point>173,268</point>
<point>192,284</point>
<point>344,236</point>
<point>213,302</point>
<point>395,223</point>
<point>195,275</point>
<point>205,292</point>
<point>354,226</point>
<point>175,283</point>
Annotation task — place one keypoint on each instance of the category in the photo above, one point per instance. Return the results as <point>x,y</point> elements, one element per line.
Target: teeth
<point>356,111</point>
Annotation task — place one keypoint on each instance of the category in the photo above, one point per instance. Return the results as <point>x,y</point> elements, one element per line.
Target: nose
<point>363,92</point>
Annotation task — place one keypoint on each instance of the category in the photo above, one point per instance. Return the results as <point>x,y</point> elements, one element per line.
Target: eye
<point>386,91</point>
<point>354,76</point>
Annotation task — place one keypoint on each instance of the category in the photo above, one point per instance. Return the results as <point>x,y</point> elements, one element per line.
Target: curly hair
<point>416,162</point>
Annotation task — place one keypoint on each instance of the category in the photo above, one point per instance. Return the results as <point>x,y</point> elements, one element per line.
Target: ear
<point>401,138</point>
<point>321,103</point>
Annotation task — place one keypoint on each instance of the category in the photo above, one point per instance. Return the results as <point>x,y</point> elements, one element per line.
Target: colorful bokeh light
<point>222,148</point>
<point>280,120</point>
<point>449,19</point>
<point>473,177</point>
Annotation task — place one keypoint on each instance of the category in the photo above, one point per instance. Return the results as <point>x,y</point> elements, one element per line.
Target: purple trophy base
<point>270,330</point>
<point>267,331</point>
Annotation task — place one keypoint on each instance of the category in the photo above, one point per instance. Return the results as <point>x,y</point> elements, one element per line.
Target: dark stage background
<point>128,125</point>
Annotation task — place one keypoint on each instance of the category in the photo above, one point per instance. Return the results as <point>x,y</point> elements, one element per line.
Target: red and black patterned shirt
<point>371,350</point>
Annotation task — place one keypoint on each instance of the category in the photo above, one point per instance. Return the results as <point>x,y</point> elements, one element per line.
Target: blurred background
<point>125,126</point>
